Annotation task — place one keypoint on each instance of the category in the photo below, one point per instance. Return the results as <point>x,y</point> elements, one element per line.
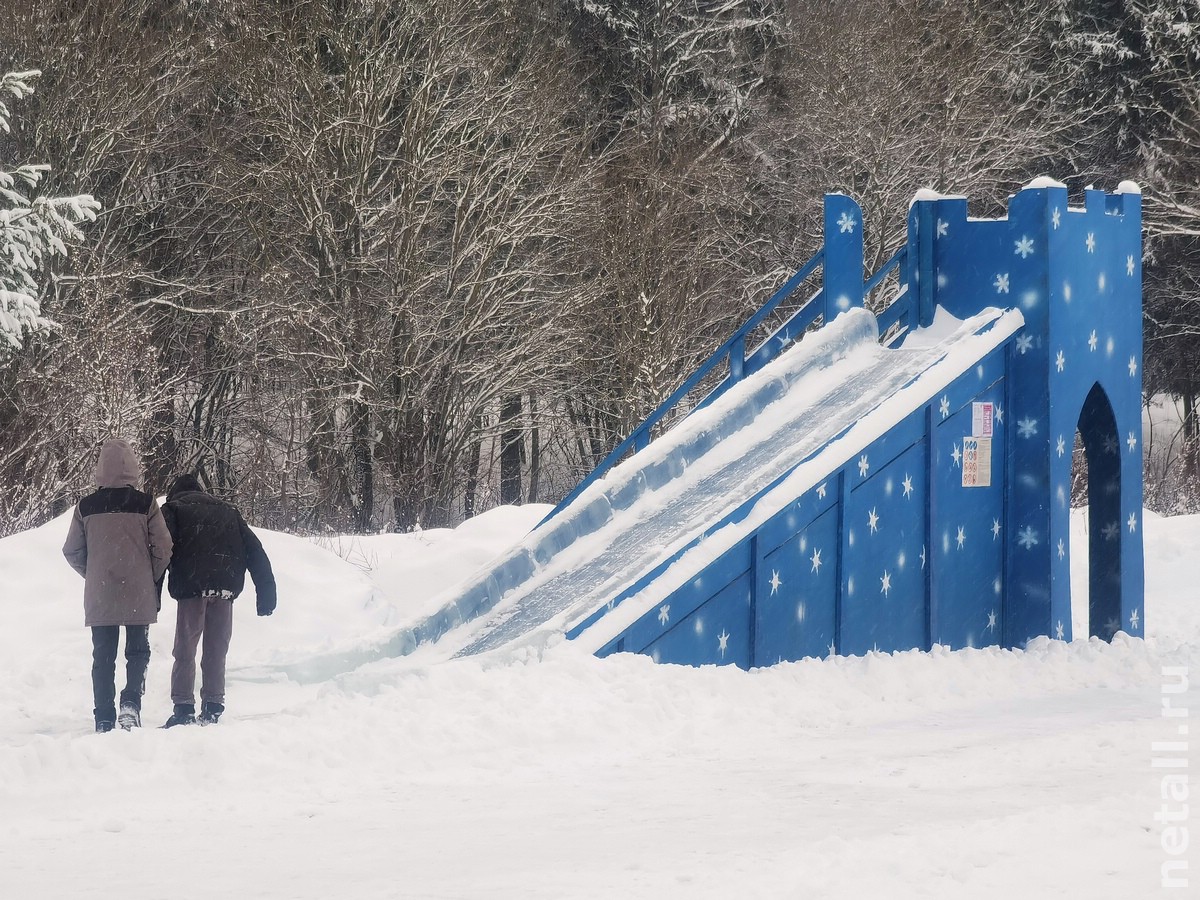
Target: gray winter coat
<point>119,543</point>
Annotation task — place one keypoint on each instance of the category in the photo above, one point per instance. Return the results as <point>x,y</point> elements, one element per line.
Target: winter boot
<point>103,726</point>
<point>129,717</point>
<point>185,714</point>
<point>210,712</point>
<point>104,720</point>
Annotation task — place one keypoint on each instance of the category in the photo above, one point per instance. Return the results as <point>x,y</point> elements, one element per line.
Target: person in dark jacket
<point>213,549</point>
<point>120,544</point>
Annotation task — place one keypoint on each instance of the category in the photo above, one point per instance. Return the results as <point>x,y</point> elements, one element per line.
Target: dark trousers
<point>104,665</point>
<point>212,618</point>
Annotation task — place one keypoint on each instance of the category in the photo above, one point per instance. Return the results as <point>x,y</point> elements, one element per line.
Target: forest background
<point>369,265</point>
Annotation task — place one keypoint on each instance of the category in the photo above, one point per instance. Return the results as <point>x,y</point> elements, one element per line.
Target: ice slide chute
<point>839,495</point>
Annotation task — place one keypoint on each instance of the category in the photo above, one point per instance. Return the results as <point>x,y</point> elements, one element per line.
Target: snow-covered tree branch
<point>33,227</point>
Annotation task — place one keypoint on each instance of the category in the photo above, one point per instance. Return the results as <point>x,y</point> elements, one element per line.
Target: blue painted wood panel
<point>796,608</point>
<point>884,572</point>
<point>969,534</point>
<point>718,633</point>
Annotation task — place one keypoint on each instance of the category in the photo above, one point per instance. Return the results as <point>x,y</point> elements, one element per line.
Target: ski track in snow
<point>977,773</point>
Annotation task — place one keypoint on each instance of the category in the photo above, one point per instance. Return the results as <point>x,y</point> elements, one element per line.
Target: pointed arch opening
<point>1096,480</point>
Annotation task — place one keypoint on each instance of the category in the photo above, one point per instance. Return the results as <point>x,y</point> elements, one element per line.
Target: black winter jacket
<point>213,547</point>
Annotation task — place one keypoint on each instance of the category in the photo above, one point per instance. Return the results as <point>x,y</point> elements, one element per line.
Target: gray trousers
<point>212,618</point>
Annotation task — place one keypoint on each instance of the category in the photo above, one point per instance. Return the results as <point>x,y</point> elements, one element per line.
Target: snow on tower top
<point>931,194</point>
<point>1043,181</point>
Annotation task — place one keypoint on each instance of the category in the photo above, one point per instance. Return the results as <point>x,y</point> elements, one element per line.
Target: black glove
<point>265,607</point>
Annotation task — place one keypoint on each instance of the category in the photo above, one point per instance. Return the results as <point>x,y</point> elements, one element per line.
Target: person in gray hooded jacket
<point>120,544</point>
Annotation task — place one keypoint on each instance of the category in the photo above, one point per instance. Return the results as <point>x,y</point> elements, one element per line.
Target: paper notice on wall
<point>977,462</point>
<point>982,419</point>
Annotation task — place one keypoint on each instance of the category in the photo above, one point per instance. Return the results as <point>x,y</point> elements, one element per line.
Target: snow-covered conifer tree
<point>33,228</point>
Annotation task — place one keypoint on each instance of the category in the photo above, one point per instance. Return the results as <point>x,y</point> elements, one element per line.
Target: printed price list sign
<point>983,417</point>
<point>977,462</point>
<point>977,449</point>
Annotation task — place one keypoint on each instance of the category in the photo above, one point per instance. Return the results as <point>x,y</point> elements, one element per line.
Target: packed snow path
<point>981,773</point>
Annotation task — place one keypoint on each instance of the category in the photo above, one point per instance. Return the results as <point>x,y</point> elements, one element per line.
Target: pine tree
<point>33,228</point>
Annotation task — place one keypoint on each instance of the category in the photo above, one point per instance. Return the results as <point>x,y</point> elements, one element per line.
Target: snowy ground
<point>976,774</point>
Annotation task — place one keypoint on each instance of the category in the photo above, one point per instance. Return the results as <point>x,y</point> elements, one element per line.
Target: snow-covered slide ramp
<point>841,496</point>
<point>653,516</point>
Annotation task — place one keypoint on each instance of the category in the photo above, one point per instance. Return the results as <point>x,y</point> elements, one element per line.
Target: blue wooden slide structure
<point>860,481</point>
